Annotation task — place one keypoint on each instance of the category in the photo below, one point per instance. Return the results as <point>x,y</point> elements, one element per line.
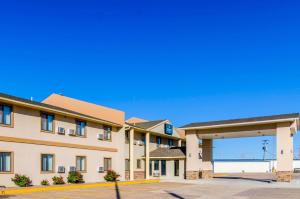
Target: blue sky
<point>185,61</point>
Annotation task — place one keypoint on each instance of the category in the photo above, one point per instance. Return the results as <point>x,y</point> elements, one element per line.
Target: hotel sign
<point>168,129</point>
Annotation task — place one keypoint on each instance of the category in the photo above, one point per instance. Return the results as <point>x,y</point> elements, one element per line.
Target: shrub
<point>22,180</point>
<point>111,176</point>
<point>45,183</point>
<point>58,180</point>
<point>75,177</point>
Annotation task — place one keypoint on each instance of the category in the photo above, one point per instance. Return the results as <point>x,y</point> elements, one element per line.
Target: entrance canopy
<point>246,127</point>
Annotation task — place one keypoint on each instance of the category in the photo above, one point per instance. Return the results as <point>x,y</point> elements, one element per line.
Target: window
<point>80,128</point>
<point>107,164</point>
<point>143,138</point>
<point>176,167</point>
<point>81,163</point>
<point>5,162</point>
<point>158,140</point>
<point>170,142</point>
<point>126,137</point>
<point>47,122</point>
<point>138,164</point>
<point>5,115</point>
<point>127,165</point>
<point>47,163</point>
<point>163,167</point>
<point>150,168</point>
<point>107,132</point>
<point>156,165</point>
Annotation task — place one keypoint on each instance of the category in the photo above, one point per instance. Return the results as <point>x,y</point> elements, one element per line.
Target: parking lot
<point>218,188</point>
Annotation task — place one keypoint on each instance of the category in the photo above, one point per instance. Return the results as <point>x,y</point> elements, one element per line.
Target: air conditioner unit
<point>71,132</point>
<point>100,136</point>
<point>72,168</point>
<point>61,130</point>
<point>156,173</point>
<point>100,169</point>
<point>61,169</point>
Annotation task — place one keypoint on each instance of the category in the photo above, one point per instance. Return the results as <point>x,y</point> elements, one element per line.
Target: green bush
<point>75,177</point>
<point>45,183</point>
<point>58,180</point>
<point>111,176</point>
<point>22,180</point>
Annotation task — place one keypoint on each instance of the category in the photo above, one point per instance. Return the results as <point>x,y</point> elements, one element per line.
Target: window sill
<point>8,172</point>
<point>47,172</point>
<point>7,125</point>
<point>50,132</point>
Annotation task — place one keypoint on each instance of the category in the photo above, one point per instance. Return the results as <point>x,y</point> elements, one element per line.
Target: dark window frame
<point>47,117</point>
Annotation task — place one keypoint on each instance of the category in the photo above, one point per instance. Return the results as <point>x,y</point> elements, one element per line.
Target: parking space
<point>203,189</point>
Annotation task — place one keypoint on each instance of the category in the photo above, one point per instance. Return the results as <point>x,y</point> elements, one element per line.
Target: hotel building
<point>62,134</point>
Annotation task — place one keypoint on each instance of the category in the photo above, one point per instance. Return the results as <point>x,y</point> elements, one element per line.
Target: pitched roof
<point>175,152</point>
<point>94,110</point>
<point>243,120</point>
<point>40,105</point>
<point>134,120</point>
<point>148,125</point>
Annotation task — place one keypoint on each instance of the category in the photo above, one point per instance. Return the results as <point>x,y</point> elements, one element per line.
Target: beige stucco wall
<point>27,125</point>
<point>284,147</point>
<point>193,163</point>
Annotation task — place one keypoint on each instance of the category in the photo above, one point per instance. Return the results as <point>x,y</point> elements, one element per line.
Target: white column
<point>131,155</point>
<point>180,143</point>
<point>147,155</point>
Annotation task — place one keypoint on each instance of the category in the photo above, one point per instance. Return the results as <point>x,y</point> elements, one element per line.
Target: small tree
<point>75,177</point>
<point>58,180</point>
<point>111,176</point>
<point>22,180</point>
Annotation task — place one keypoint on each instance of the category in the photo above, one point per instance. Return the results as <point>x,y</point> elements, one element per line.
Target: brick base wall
<point>127,175</point>
<point>206,174</point>
<point>192,175</point>
<point>284,176</point>
<point>139,175</point>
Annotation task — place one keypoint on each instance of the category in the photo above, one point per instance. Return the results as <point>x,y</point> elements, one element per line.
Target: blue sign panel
<point>168,129</point>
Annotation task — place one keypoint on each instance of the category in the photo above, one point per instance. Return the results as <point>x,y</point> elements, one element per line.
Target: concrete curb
<point>16,191</point>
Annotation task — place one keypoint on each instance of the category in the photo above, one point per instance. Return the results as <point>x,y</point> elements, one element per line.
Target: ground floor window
<point>127,165</point>
<point>81,163</point>
<point>107,164</point>
<point>150,168</point>
<point>156,165</point>
<point>176,167</point>
<point>163,167</point>
<point>138,164</point>
<point>47,163</point>
<point>5,162</point>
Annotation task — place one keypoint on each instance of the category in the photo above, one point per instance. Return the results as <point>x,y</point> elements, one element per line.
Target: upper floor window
<point>5,162</point>
<point>47,122</point>
<point>80,128</point>
<point>81,163</point>
<point>107,132</point>
<point>5,114</point>
<point>158,140</point>
<point>47,163</point>
<point>143,138</point>
<point>170,142</point>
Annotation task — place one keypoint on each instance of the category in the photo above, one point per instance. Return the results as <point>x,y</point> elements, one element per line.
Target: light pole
<point>264,148</point>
